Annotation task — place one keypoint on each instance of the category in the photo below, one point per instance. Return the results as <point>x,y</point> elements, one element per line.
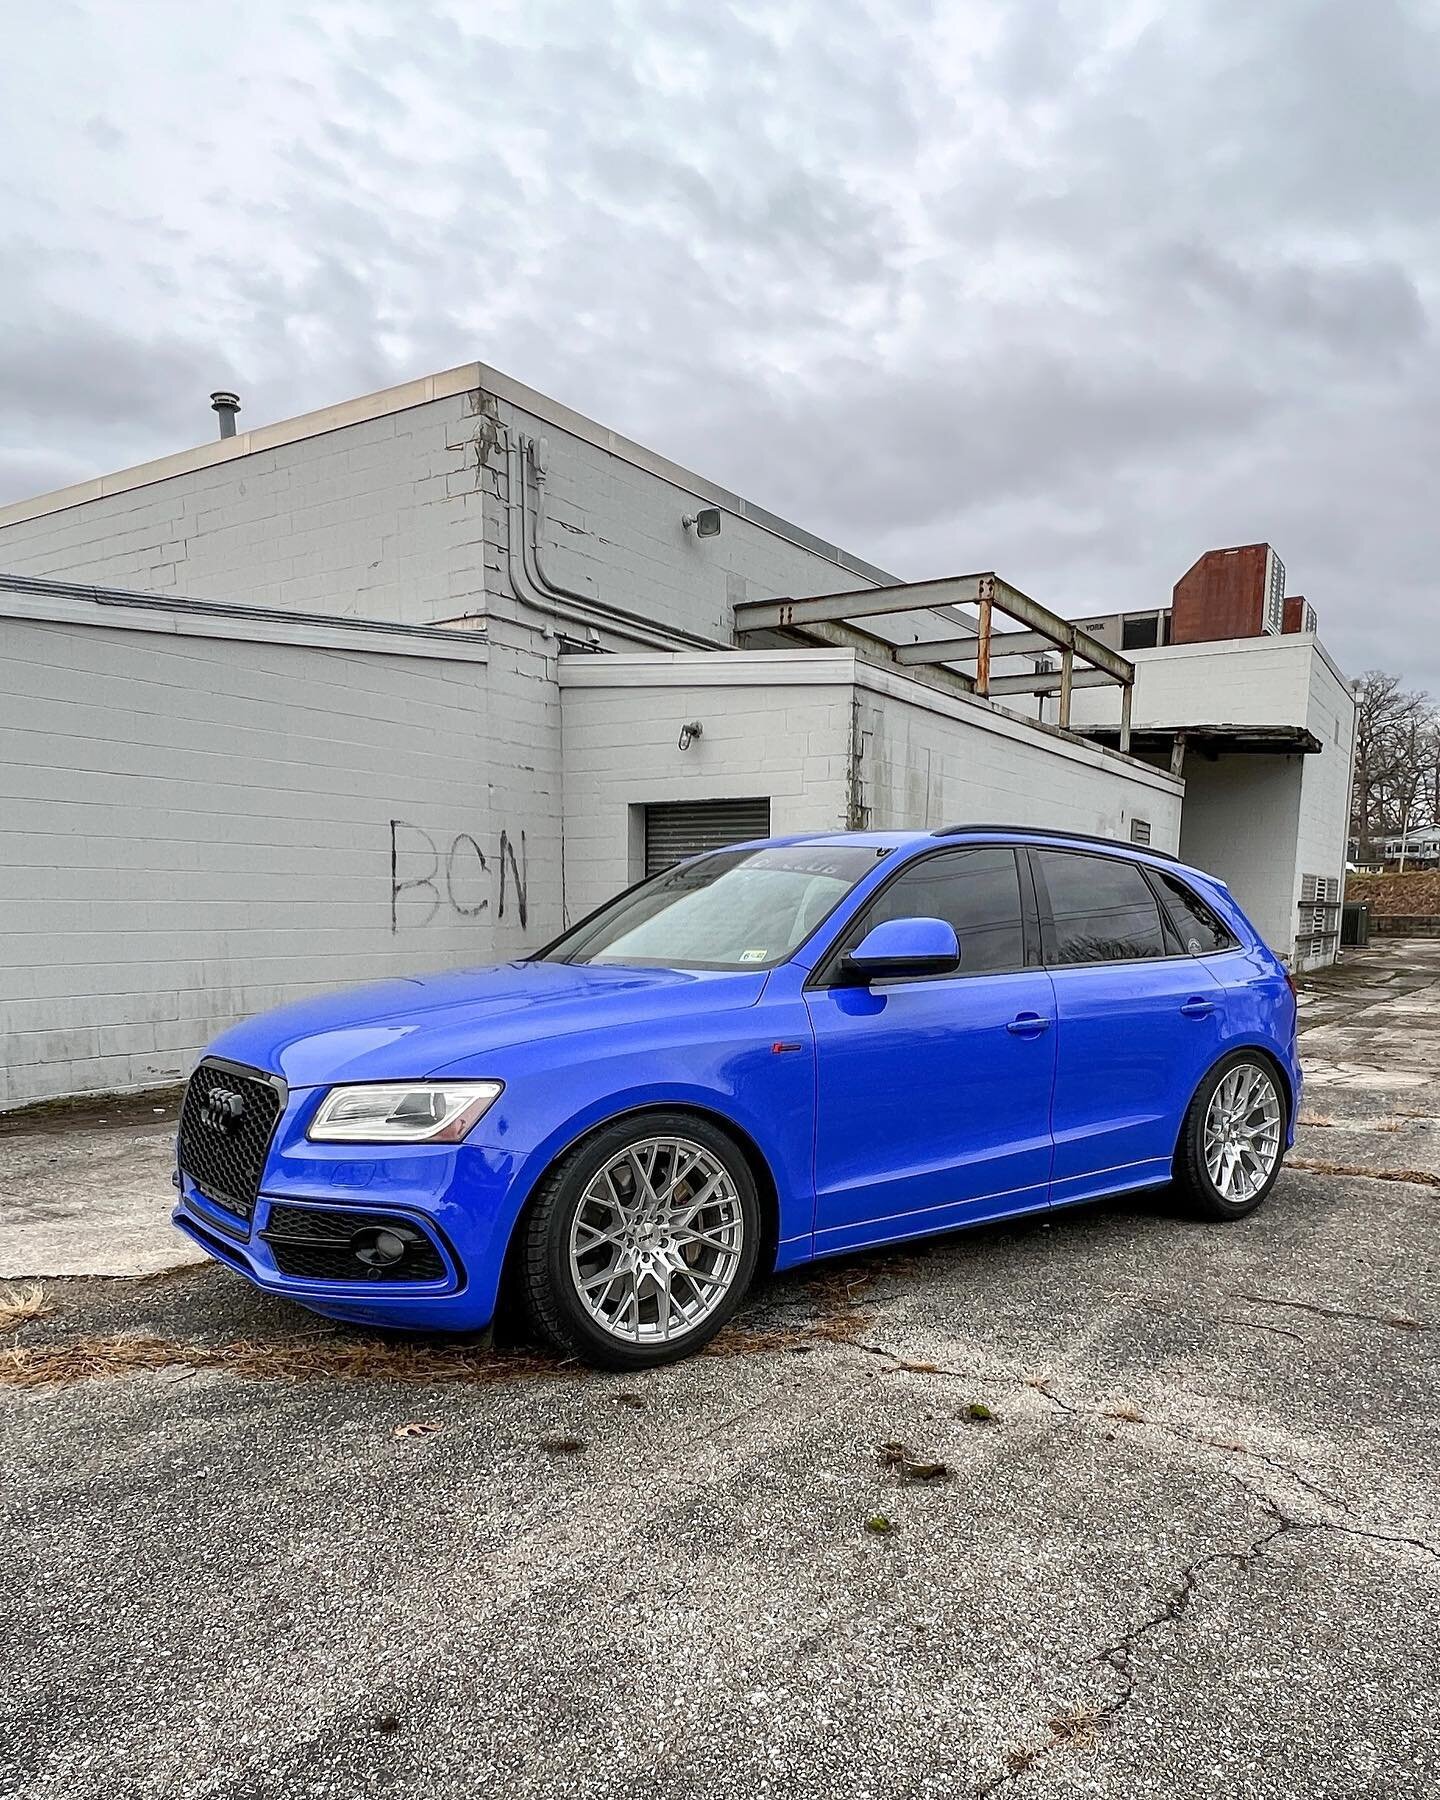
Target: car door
<point>933,1093</point>
<point>1138,1022</point>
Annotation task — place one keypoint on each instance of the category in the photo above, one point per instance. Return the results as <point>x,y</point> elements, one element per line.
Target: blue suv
<point>771,1053</point>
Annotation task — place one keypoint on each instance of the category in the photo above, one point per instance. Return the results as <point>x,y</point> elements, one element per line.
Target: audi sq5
<point>772,1053</point>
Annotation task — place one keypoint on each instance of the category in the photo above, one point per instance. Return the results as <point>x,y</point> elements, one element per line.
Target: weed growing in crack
<point>22,1303</point>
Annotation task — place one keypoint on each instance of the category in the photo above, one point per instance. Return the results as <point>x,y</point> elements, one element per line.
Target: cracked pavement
<point>1195,1551</point>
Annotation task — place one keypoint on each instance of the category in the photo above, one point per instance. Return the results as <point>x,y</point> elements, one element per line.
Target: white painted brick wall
<point>1237,681</point>
<point>359,521</point>
<point>381,508</point>
<point>1240,823</point>
<point>1262,822</point>
<point>926,760</point>
<point>1323,825</point>
<point>929,760</point>
<point>195,829</point>
<point>151,897</point>
<point>764,737</point>
<point>614,530</point>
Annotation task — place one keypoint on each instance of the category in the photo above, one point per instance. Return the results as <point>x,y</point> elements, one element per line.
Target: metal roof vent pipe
<point>226,405</point>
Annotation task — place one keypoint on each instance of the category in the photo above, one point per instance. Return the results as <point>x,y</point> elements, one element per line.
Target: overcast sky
<point>1071,291</point>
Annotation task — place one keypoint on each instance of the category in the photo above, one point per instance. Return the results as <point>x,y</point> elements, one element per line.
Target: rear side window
<point>976,891</point>
<point>1104,909</point>
<point>1200,926</point>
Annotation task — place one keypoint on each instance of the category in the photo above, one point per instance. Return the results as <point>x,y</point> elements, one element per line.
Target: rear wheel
<point>1233,1138</point>
<point>641,1242</point>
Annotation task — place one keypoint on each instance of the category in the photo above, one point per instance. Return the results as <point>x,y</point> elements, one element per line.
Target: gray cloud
<point>1074,290</point>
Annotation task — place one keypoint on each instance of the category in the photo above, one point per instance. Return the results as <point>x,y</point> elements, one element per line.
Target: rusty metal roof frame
<point>1218,740</point>
<point>831,619</point>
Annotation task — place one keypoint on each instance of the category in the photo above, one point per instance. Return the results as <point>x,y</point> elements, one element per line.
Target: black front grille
<point>316,1244</point>
<point>226,1123</point>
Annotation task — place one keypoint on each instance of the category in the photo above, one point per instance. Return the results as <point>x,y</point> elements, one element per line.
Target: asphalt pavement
<point>1184,1543</point>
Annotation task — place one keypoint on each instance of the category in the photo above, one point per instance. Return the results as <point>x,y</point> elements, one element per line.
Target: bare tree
<point>1408,785</point>
<point>1430,764</point>
<point>1397,777</point>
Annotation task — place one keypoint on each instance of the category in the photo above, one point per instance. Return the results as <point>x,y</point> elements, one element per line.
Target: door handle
<point>1027,1024</point>
<point>1197,1008</point>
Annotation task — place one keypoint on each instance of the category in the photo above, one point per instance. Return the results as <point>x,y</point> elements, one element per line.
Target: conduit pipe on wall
<point>533,586</point>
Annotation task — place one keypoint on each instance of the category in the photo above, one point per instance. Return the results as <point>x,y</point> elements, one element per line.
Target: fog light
<point>381,1246</point>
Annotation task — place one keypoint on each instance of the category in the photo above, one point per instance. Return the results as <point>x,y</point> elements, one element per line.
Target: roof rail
<point>1055,831</point>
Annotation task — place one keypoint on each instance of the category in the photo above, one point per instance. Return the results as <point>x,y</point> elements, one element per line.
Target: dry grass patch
<point>1314,1118</point>
<point>758,1340</point>
<point>1073,1728</point>
<point>1078,1726</point>
<point>94,1357</point>
<point>21,1303</point>
<point>840,1316</point>
<point>1407,893</point>
<point>1313,1166</point>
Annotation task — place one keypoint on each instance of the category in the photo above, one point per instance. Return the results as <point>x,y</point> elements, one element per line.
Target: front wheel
<point>641,1242</point>
<point>1233,1138</point>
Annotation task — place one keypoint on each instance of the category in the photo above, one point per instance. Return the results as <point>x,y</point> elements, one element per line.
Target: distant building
<point>1234,689</point>
<point>1420,846</point>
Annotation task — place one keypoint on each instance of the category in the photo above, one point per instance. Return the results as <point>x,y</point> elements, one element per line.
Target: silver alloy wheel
<point>656,1239</point>
<point>1242,1132</point>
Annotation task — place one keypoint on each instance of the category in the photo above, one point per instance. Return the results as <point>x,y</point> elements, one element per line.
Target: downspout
<point>515,539</point>
<point>533,586</point>
<point>857,813</point>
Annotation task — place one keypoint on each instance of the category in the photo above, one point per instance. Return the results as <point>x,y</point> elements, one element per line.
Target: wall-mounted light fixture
<point>689,733</point>
<point>706,522</point>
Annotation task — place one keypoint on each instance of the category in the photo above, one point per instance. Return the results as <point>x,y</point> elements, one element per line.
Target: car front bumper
<point>321,1207</point>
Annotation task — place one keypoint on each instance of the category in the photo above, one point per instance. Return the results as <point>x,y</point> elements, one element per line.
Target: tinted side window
<point>976,891</point>
<point>1104,910</point>
<point>1199,926</point>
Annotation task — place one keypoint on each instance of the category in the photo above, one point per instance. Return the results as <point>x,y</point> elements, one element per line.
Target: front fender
<point>750,1071</point>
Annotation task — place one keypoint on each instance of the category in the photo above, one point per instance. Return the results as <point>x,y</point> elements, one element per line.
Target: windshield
<point>732,909</point>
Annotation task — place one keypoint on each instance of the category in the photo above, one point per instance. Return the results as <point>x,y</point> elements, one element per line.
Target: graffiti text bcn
<point>458,878</point>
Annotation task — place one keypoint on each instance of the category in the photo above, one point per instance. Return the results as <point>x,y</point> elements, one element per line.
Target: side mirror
<point>903,947</point>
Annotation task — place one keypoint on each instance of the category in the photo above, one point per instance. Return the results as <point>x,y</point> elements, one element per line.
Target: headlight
<point>412,1112</point>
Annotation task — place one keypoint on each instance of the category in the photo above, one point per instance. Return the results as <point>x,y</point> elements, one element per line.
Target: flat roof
<point>842,666</point>
<point>1234,740</point>
<point>464,379</point>
<point>38,598</point>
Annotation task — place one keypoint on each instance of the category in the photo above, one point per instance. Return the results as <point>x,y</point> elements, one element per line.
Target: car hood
<point>423,1024</point>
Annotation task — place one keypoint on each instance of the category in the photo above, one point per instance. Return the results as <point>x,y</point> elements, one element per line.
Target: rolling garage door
<point>681,828</point>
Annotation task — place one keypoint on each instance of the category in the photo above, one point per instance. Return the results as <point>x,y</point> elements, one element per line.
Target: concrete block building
<point>1237,694</point>
<point>1262,729</point>
<point>412,681</point>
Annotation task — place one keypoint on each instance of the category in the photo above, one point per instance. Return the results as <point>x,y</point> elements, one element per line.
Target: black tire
<point>546,1277</point>
<point>1194,1186</point>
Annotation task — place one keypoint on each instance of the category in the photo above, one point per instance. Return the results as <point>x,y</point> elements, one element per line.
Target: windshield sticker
<point>752,955</point>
